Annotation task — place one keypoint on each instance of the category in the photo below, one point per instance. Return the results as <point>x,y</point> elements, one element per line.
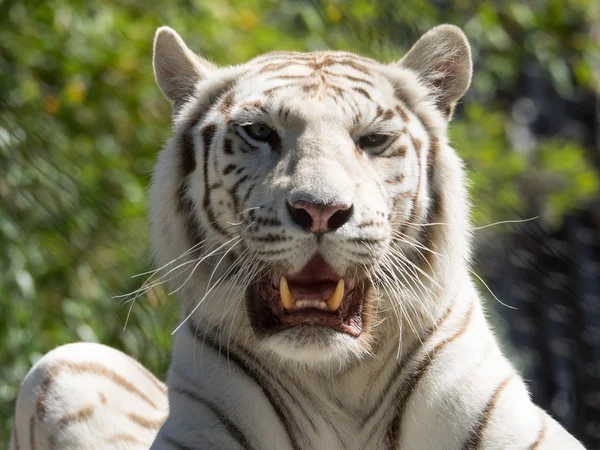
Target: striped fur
<point>426,372</point>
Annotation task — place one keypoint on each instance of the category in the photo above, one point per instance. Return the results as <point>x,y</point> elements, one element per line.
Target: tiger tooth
<point>287,299</point>
<point>335,300</point>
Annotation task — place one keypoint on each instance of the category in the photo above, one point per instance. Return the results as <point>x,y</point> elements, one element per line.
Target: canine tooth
<point>286,295</point>
<point>335,300</point>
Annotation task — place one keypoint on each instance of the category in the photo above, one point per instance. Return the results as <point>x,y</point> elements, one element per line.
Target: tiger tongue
<point>316,281</point>
<point>317,291</point>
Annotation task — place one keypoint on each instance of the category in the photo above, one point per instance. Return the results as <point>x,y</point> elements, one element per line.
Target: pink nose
<point>320,218</point>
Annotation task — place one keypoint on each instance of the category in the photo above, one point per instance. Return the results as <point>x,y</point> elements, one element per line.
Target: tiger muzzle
<point>316,296</point>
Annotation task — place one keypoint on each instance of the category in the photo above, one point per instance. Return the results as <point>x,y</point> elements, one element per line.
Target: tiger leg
<point>88,396</point>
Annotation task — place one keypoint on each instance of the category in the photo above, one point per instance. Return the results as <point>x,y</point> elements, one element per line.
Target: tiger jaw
<point>316,296</point>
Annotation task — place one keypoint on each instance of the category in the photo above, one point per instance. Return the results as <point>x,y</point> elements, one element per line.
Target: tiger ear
<point>442,59</point>
<point>176,68</point>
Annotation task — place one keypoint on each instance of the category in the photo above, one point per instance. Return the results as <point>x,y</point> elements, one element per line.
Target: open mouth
<point>314,296</point>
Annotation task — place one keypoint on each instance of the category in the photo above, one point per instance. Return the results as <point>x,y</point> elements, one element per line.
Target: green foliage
<point>81,122</point>
<point>563,166</point>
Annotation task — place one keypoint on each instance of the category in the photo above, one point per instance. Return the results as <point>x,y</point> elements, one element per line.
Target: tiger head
<point>293,206</point>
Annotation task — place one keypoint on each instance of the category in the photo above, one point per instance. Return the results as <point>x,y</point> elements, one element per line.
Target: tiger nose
<point>320,218</point>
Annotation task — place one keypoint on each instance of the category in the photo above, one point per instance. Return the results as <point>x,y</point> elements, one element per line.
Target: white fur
<point>329,387</point>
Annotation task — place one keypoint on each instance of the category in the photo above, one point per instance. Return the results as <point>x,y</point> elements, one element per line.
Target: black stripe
<point>475,436</point>
<point>187,157</point>
<point>353,105</point>
<point>414,211</point>
<point>362,92</point>
<point>248,193</point>
<point>418,344</point>
<point>435,212</point>
<point>187,165</point>
<point>233,430</point>
<point>227,103</point>
<point>349,77</point>
<point>366,241</point>
<point>227,147</point>
<point>208,134</point>
<point>274,142</point>
<point>281,410</point>
<point>541,435</point>
<point>270,238</point>
<point>305,395</point>
<point>270,252</point>
<point>379,404</point>
<point>185,206</point>
<point>229,168</point>
<point>233,192</point>
<point>409,385</point>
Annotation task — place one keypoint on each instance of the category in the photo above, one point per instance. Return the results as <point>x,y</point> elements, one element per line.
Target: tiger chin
<point>314,223</point>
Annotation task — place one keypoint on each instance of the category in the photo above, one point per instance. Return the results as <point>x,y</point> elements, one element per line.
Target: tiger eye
<point>258,131</point>
<point>372,140</point>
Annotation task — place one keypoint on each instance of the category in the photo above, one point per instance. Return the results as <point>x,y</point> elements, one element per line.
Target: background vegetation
<point>81,122</point>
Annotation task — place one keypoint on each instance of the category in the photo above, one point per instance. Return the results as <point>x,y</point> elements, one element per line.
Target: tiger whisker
<point>398,309</point>
<point>397,306</point>
<point>398,235</point>
<point>191,249</point>
<point>187,252</point>
<point>427,298</point>
<point>408,269</point>
<point>416,225</point>
<point>147,287</point>
<point>232,283</point>
<point>239,239</point>
<point>203,298</point>
<point>399,254</point>
<point>407,284</point>
<point>216,283</point>
<point>490,291</point>
<point>502,222</point>
<point>249,280</point>
<point>417,249</point>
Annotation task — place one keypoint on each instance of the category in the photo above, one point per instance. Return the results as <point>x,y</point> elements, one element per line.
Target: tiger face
<point>296,187</point>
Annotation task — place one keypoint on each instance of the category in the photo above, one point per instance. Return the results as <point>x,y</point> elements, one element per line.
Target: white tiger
<point>314,221</point>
